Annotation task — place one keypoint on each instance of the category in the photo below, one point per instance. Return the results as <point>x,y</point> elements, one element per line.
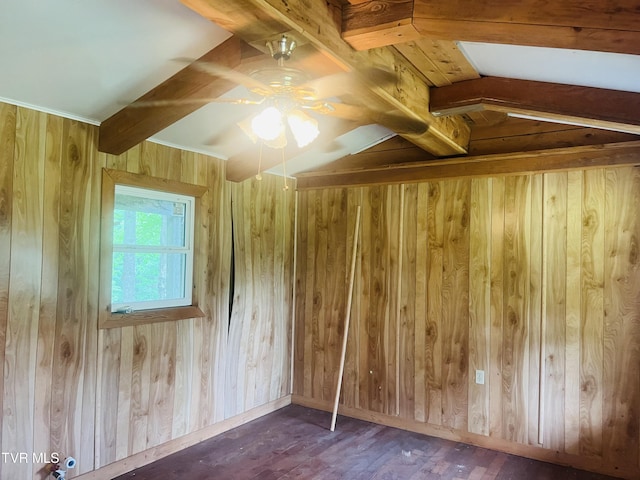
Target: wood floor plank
<point>295,443</point>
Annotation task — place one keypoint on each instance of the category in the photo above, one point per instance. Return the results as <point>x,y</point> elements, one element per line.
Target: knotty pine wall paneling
<point>7,148</point>
<point>621,377</point>
<point>104,395</point>
<point>260,326</point>
<point>533,279</point>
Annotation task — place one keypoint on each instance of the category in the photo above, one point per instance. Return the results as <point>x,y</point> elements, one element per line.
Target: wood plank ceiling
<point>465,117</point>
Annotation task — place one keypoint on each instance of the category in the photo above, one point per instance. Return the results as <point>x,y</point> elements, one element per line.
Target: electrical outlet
<point>480,377</point>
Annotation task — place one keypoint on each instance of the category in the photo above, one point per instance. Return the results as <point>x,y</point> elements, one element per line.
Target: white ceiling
<point>86,59</point>
<point>614,71</point>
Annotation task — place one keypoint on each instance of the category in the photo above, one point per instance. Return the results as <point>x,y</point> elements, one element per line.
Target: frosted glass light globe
<point>268,125</point>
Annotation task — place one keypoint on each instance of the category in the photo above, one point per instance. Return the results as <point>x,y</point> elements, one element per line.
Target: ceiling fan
<point>288,98</point>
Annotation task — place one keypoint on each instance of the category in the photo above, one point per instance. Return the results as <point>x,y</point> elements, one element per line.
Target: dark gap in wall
<point>232,269</point>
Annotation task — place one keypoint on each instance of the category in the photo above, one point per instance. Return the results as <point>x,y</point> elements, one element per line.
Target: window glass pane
<point>142,277</point>
<point>148,221</point>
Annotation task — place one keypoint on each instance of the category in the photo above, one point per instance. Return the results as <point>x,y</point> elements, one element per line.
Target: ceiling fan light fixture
<point>277,143</point>
<point>303,127</point>
<point>268,124</point>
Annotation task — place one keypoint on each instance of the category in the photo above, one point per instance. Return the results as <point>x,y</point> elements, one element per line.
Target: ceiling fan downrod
<point>282,49</point>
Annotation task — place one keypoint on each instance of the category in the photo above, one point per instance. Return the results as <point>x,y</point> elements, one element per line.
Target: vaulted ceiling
<point>451,117</point>
<point>434,84</point>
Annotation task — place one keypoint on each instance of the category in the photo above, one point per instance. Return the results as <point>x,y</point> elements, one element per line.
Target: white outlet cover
<point>480,377</point>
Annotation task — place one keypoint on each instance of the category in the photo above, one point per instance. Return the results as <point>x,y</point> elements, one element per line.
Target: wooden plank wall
<point>102,396</point>
<point>534,279</point>
<point>258,363</point>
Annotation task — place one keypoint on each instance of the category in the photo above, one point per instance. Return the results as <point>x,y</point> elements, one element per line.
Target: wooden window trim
<point>107,319</point>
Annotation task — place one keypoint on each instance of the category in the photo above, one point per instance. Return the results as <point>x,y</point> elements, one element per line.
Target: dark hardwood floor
<point>295,442</point>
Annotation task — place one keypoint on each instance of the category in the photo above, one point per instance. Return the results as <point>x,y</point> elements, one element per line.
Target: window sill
<point>143,317</point>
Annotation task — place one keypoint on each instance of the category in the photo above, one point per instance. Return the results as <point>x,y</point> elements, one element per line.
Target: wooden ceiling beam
<point>372,24</point>
<point>595,26</point>
<point>134,124</point>
<point>570,104</point>
<point>316,22</point>
<point>562,159</point>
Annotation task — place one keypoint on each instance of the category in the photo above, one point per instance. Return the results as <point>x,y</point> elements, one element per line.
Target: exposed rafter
<point>373,24</point>
<point>573,24</point>
<point>313,22</point>
<point>594,107</point>
<point>572,158</point>
<point>134,124</point>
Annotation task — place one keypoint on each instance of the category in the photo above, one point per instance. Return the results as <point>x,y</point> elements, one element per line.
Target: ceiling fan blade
<point>397,123</point>
<point>343,83</point>
<point>236,77</point>
<point>186,101</point>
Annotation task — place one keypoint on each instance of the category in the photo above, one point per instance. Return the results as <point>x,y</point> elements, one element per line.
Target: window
<point>152,262</point>
<point>147,249</point>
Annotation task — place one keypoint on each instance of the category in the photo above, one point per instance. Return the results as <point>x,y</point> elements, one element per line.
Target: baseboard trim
<point>529,451</point>
<point>143,458</point>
